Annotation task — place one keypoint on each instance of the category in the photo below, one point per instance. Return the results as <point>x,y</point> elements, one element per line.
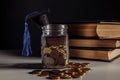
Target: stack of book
<point>99,41</point>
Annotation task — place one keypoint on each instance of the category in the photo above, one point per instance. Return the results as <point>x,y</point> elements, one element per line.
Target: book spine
<point>103,31</point>
<point>94,43</point>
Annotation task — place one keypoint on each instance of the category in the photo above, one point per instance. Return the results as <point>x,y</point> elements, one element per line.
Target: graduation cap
<point>39,19</point>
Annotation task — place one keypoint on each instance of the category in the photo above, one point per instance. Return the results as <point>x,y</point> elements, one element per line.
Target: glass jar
<point>54,49</point>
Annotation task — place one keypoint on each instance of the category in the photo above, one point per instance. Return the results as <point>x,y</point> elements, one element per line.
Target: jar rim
<point>55,27</point>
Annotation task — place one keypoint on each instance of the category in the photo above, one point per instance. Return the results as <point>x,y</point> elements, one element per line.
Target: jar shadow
<point>22,66</point>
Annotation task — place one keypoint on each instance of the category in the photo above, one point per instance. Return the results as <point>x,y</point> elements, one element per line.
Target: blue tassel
<point>26,42</point>
<point>26,51</point>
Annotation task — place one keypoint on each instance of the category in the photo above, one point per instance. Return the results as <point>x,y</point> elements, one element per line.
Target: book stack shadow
<point>96,41</point>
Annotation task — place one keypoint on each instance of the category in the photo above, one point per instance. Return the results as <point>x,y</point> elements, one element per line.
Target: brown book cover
<point>101,30</point>
<point>100,43</point>
<point>106,55</point>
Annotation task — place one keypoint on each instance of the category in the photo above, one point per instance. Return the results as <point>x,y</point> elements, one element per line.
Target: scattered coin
<point>44,73</point>
<point>74,70</point>
<point>53,77</point>
<point>66,76</point>
<point>35,72</point>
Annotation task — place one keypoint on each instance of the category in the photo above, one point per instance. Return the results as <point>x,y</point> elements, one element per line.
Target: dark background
<point>13,13</point>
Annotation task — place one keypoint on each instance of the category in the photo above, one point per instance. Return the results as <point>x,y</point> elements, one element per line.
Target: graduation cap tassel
<point>26,42</point>
<point>39,19</point>
<point>26,51</point>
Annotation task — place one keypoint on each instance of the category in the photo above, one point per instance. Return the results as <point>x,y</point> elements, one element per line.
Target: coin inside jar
<point>55,56</point>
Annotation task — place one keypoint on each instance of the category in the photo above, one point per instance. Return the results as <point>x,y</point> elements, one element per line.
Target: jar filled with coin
<point>55,48</point>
